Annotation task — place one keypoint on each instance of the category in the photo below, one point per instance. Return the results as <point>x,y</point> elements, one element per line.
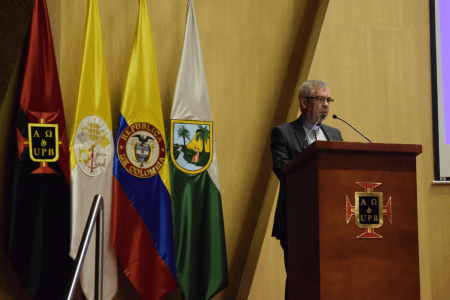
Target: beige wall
<point>247,50</point>
<point>246,46</point>
<point>375,57</point>
<point>374,54</point>
<point>240,41</point>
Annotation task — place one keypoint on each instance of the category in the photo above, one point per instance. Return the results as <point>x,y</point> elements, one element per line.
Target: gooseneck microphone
<point>321,117</point>
<point>336,117</point>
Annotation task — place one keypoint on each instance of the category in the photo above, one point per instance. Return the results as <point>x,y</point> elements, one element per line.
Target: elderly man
<point>289,139</point>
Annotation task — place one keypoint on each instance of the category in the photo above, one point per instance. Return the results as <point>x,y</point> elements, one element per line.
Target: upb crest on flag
<point>44,142</point>
<point>191,145</point>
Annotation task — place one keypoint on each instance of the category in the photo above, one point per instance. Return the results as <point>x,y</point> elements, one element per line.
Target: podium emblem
<point>368,210</point>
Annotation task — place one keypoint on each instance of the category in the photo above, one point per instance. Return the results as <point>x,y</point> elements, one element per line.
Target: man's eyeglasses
<point>322,99</point>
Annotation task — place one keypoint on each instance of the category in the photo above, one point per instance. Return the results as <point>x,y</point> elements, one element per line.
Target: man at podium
<point>289,139</point>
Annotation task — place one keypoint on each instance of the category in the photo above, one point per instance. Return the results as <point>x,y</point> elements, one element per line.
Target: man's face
<point>313,108</point>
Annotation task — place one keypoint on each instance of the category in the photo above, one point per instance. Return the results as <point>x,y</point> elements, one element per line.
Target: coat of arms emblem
<point>191,145</point>
<point>141,149</point>
<point>93,145</point>
<point>368,210</point>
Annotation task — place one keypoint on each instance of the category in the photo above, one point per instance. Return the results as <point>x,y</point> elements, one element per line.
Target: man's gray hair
<point>310,87</point>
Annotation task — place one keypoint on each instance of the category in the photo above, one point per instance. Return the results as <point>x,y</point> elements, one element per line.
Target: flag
<point>38,228</point>
<point>91,153</point>
<point>141,225</point>
<point>196,203</point>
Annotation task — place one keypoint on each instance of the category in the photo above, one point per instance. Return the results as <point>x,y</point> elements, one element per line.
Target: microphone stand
<point>321,117</point>
<point>336,117</point>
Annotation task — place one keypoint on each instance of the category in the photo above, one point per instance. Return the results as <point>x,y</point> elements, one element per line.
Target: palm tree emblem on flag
<point>191,145</point>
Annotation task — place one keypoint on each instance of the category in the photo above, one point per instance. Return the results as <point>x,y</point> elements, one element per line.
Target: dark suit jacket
<point>288,140</point>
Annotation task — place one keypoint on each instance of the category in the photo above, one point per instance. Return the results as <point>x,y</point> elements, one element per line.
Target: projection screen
<point>440,72</point>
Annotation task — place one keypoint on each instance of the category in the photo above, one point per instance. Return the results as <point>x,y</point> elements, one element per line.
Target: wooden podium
<point>330,186</point>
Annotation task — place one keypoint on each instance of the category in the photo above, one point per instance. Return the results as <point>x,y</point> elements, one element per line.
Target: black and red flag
<point>38,233</point>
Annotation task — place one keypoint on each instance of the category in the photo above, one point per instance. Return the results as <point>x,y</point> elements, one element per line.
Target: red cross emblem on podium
<point>368,210</point>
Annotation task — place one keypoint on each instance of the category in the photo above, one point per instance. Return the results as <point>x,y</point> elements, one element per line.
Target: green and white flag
<point>201,259</point>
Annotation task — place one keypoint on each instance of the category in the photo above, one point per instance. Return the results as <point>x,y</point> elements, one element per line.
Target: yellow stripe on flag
<point>141,101</point>
<point>93,91</point>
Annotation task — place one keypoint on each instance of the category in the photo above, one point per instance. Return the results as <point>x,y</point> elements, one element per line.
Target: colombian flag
<point>141,220</point>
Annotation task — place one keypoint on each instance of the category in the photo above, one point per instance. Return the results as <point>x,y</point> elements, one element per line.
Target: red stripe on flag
<point>140,261</point>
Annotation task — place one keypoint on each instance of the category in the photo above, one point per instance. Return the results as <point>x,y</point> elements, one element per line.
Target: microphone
<point>336,117</point>
<point>321,117</point>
